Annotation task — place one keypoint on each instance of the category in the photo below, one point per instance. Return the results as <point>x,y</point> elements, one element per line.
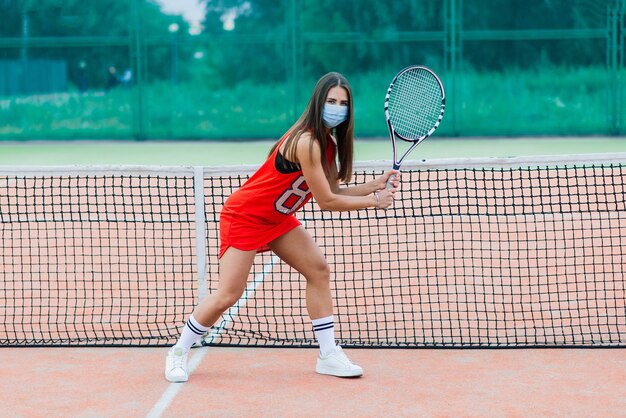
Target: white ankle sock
<point>324,329</point>
<point>191,333</point>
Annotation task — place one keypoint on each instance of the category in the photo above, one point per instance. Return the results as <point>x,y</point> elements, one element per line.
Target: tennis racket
<point>414,107</point>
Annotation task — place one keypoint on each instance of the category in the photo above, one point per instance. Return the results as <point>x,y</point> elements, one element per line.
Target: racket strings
<point>415,104</point>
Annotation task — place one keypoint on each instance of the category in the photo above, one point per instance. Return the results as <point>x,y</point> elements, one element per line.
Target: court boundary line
<point>172,390</point>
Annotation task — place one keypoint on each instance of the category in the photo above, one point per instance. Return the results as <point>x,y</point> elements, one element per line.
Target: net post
<point>200,219</point>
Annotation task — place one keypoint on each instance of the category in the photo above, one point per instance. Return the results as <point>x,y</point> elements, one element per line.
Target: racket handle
<point>393,176</point>
<point>389,180</point>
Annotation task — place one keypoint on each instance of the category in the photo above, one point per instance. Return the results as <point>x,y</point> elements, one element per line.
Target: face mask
<point>333,115</point>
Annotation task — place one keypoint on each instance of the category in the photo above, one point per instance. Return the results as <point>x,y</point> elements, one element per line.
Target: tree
<point>97,33</point>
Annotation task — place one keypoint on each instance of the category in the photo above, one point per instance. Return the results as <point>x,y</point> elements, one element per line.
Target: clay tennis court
<point>496,258</point>
<point>281,382</point>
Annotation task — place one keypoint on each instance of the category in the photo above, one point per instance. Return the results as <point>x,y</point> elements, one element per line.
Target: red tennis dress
<point>263,209</point>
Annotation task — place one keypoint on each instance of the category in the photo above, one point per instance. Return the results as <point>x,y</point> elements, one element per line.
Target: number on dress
<point>292,198</point>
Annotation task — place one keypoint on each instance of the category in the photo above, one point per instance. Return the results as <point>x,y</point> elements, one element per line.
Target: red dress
<point>263,209</point>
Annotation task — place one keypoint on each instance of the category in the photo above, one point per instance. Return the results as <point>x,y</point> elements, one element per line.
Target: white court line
<point>172,390</point>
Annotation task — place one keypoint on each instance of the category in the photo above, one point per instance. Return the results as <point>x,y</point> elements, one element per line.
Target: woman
<point>260,216</point>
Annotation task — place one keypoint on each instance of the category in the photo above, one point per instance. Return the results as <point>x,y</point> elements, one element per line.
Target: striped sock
<point>191,333</point>
<point>324,329</point>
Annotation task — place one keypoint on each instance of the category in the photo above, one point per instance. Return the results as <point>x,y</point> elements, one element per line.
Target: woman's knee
<point>320,273</point>
<point>225,299</point>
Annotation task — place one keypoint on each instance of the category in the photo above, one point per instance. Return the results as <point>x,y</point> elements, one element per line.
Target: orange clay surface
<point>277,382</point>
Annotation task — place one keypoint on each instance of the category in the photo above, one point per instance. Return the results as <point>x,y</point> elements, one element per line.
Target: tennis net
<point>491,252</point>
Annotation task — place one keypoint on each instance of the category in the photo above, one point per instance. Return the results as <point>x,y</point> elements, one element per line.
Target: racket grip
<point>393,176</point>
<point>389,180</point>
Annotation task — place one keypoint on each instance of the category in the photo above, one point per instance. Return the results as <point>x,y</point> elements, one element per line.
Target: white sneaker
<point>337,364</point>
<point>176,365</point>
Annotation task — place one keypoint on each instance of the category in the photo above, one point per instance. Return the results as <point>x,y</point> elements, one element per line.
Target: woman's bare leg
<point>235,268</point>
<point>298,249</point>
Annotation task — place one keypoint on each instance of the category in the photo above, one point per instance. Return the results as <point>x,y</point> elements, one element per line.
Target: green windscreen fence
<point>32,77</point>
<point>245,68</point>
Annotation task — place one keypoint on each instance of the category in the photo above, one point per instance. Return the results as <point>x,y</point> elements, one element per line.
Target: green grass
<point>212,153</point>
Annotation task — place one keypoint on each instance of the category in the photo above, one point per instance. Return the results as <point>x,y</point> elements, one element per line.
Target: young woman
<point>260,216</point>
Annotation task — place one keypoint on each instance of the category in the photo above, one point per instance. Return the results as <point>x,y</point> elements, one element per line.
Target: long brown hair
<point>311,121</point>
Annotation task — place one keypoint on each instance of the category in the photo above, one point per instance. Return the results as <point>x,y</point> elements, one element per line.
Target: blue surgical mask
<point>333,115</point>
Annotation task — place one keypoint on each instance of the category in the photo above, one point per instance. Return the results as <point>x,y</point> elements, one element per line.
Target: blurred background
<point>244,69</point>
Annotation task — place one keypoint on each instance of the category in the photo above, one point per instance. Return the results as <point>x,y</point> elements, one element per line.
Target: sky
<point>191,10</point>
